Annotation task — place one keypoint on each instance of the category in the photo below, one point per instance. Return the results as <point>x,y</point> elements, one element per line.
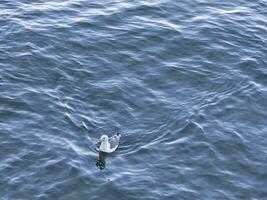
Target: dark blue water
<point>185,82</point>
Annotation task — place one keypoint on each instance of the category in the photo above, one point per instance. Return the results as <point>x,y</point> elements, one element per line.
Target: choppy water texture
<point>185,82</point>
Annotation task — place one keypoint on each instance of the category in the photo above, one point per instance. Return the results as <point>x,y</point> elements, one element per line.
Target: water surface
<point>185,82</point>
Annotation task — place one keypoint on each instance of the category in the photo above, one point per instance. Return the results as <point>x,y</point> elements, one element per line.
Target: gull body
<point>109,145</point>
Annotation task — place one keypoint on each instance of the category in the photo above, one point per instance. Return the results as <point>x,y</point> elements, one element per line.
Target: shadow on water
<point>101,162</point>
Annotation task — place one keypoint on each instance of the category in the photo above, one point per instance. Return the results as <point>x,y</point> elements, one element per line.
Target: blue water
<point>185,82</point>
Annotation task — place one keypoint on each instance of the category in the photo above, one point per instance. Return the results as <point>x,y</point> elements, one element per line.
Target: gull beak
<point>98,141</point>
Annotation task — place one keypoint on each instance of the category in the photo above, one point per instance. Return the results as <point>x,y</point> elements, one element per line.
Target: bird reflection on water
<point>101,162</point>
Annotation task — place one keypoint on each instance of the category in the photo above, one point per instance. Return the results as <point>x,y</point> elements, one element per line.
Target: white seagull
<point>109,145</point>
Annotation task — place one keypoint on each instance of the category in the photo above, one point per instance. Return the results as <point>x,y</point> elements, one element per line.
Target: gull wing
<point>113,141</point>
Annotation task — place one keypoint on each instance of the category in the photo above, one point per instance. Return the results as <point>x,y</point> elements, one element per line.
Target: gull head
<point>104,138</point>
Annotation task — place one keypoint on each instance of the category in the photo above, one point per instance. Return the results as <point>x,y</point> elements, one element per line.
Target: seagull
<point>109,145</point>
